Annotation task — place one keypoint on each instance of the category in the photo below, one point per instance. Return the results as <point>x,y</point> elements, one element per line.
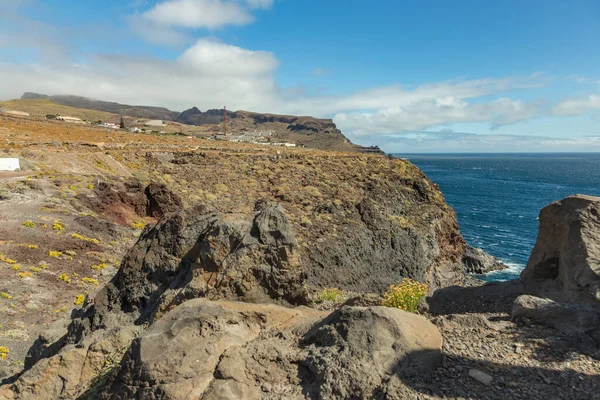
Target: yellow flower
<point>405,295</point>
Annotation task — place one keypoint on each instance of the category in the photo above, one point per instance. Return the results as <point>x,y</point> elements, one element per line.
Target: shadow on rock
<point>493,297</point>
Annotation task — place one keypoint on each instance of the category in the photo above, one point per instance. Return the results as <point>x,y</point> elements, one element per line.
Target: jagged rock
<point>198,253</point>
<point>579,320</point>
<point>200,349</point>
<point>477,261</point>
<point>565,262</point>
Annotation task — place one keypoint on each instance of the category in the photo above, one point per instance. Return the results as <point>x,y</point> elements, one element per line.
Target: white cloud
<point>577,106</point>
<point>209,74</point>
<point>166,22</point>
<point>434,112</point>
<point>195,14</point>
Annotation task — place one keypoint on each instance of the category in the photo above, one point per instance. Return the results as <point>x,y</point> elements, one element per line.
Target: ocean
<point>497,197</point>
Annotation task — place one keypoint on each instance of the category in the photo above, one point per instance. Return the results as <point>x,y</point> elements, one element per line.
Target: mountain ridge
<point>304,131</point>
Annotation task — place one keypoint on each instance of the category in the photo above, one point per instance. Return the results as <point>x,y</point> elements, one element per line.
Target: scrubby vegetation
<point>405,295</point>
<point>330,294</point>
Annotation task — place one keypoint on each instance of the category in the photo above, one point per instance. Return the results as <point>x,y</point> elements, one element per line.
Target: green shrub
<point>330,294</point>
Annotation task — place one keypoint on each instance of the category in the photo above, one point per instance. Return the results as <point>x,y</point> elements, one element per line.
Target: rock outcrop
<point>224,350</point>
<point>477,261</point>
<point>579,320</point>
<point>200,253</point>
<point>121,201</point>
<point>565,262</point>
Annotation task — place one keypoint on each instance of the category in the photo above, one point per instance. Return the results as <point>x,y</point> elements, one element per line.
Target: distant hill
<point>107,106</point>
<point>305,131</point>
<point>42,106</point>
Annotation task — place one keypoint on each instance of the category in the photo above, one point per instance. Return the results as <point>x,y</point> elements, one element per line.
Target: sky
<point>410,76</point>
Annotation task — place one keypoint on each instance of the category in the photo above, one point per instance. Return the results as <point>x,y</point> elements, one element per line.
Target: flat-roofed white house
<point>14,112</point>
<point>154,122</point>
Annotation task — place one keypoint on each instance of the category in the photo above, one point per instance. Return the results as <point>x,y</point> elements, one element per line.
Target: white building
<point>9,164</point>
<point>70,119</point>
<point>154,122</point>
<point>13,112</point>
<point>109,125</point>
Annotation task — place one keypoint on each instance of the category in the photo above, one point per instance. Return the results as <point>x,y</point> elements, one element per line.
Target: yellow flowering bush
<point>100,267</point>
<point>138,225</point>
<point>5,295</point>
<point>65,278</point>
<point>85,239</point>
<point>3,352</point>
<point>405,295</point>
<point>55,254</point>
<point>90,280</point>
<point>28,224</point>
<point>58,226</point>
<point>7,260</point>
<point>79,299</point>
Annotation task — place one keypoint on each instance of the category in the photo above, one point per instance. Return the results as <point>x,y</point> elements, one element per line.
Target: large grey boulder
<point>224,350</point>
<point>357,351</point>
<point>565,262</point>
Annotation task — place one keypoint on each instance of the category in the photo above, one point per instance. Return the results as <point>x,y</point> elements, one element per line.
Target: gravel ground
<point>523,362</point>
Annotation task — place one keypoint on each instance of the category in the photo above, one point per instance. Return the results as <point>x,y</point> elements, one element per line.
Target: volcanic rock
<point>565,262</point>
<point>477,261</point>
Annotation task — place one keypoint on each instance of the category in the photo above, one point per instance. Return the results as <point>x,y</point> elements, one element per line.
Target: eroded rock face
<point>199,253</point>
<point>223,350</point>
<point>121,201</point>
<point>565,262</point>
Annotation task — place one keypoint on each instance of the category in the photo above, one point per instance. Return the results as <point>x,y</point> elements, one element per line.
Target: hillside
<point>107,106</point>
<point>41,107</point>
<point>303,131</point>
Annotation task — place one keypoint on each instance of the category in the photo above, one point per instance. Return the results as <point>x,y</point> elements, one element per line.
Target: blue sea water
<point>497,197</point>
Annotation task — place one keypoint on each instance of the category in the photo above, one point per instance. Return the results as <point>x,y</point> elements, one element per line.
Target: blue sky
<point>422,76</point>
